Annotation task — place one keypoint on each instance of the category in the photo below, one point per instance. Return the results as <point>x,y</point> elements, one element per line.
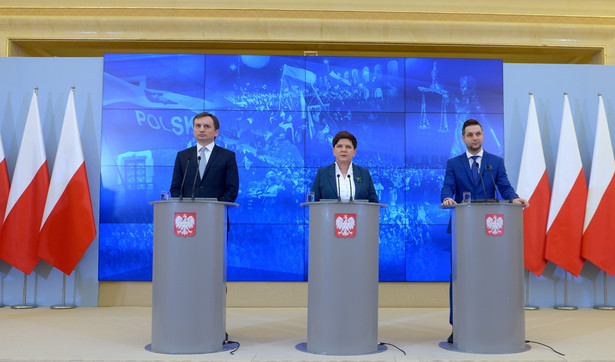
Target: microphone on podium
<point>339,195</point>
<point>489,168</point>
<point>482,181</point>
<point>181,189</point>
<point>350,183</point>
<point>195,174</point>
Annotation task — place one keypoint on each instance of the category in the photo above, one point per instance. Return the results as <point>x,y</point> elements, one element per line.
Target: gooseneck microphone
<point>350,183</point>
<point>482,181</point>
<point>181,189</point>
<point>489,168</point>
<point>339,195</point>
<point>198,164</point>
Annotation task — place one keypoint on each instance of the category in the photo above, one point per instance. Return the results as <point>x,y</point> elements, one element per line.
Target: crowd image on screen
<point>279,115</point>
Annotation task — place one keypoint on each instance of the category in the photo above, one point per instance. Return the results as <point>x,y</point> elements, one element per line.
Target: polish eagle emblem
<point>185,223</point>
<point>494,224</point>
<point>345,225</point>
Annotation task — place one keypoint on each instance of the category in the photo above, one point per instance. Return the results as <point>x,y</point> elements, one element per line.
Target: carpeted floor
<point>272,334</point>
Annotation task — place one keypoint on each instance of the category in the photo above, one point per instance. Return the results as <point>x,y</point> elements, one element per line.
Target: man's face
<point>204,131</point>
<point>473,138</point>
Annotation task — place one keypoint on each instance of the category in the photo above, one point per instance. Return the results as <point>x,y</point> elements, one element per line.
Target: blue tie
<point>475,174</point>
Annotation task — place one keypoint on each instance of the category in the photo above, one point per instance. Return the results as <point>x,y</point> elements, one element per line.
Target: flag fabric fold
<point>26,201</point>
<point>533,185</point>
<point>5,184</point>
<point>67,227</point>
<point>599,227</point>
<point>568,198</point>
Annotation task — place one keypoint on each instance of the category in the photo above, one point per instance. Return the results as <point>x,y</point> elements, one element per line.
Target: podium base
<point>452,347</point>
<point>225,348</point>
<point>303,348</point>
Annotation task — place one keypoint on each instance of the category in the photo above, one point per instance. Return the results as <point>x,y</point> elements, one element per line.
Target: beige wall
<point>529,31</point>
<point>547,31</point>
<point>279,294</point>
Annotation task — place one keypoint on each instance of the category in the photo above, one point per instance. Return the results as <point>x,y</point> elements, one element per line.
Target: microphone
<point>482,181</point>
<point>181,189</point>
<point>489,167</point>
<point>196,173</point>
<point>350,183</point>
<point>339,195</point>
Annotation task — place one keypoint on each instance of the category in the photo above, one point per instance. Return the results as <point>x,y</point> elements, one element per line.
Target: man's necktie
<point>203,162</point>
<point>475,171</point>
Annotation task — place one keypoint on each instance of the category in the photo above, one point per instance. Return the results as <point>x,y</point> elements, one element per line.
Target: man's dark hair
<point>470,122</point>
<point>346,135</point>
<point>207,114</point>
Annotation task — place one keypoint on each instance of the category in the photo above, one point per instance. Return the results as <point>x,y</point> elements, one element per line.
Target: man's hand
<point>448,201</point>
<point>524,202</point>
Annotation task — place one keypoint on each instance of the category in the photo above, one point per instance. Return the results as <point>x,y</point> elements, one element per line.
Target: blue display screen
<point>279,115</point>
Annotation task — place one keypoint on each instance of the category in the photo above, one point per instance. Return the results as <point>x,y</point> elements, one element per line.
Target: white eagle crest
<point>344,225</point>
<point>494,224</point>
<point>184,224</point>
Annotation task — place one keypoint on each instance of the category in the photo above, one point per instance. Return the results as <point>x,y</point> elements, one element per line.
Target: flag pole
<point>25,305</point>
<point>527,292</point>
<point>566,306</point>
<point>605,306</point>
<point>63,305</point>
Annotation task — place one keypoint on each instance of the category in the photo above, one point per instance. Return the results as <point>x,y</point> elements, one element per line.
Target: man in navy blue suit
<point>352,181</point>
<point>206,170</point>
<point>472,171</point>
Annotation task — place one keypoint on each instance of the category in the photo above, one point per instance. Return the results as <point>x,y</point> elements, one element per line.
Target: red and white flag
<point>567,210</point>
<point>599,228</point>
<point>26,202</point>
<point>5,184</point>
<point>533,185</point>
<point>67,227</point>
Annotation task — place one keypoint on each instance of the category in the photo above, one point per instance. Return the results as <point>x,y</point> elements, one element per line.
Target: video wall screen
<point>279,115</point>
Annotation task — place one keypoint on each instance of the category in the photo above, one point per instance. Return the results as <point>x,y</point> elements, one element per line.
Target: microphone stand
<point>181,189</point>
<point>497,198</point>
<point>197,172</point>
<point>481,180</point>
<point>350,183</point>
<point>339,195</point>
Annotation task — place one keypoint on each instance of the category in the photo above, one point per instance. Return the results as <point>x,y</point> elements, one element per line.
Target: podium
<point>189,276</point>
<point>487,276</point>
<point>343,278</point>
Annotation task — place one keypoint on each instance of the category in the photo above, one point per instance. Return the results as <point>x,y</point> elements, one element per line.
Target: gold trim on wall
<point>549,31</point>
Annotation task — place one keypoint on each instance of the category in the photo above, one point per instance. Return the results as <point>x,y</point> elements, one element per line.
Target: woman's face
<point>344,151</point>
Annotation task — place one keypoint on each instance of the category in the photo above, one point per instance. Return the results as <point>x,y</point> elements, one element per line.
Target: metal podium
<point>343,278</point>
<point>189,276</point>
<point>487,271</point>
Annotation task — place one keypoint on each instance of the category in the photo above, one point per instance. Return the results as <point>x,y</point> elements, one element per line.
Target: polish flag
<point>599,228</point>
<point>567,210</point>
<point>67,228</point>
<point>533,185</point>
<point>26,202</point>
<point>4,184</point>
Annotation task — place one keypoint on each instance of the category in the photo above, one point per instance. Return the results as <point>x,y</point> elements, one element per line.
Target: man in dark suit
<point>355,179</point>
<point>206,170</point>
<point>463,174</point>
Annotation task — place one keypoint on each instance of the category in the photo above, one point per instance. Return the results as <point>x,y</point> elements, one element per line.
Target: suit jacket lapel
<point>332,178</point>
<point>211,160</point>
<point>356,173</point>
<point>465,164</point>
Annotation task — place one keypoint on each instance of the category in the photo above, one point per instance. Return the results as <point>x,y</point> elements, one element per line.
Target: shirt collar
<point>209,147</point>
<point>479,154</point>
<point>337,170</point>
